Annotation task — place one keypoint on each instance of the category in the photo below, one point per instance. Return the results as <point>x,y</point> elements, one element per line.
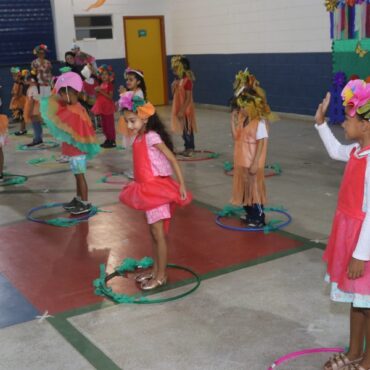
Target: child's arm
<point>175,165</point>
<point>108,95</point>
<point>234,117</point>
<point>335,149</point>
<point>361,254</point>
<point>254,167</point>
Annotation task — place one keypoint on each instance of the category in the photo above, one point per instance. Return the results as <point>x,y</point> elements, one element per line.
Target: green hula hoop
<point>13,179</point>
<point>101,288</point>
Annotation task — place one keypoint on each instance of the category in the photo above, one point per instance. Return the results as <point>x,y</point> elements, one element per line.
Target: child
<point>183,114</point>
<point>348,250</point>
<point>3,137</point>
<point>249,129</point>
<point>18,99</point>
<point>69,122</point>
<point>104,105</point>
<point>136,84</point>
<point>153,190</point>
<point>32,108</point>
<point>43,70</point>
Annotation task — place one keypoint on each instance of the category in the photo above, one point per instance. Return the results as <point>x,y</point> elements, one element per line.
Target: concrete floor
<point>241,320</point>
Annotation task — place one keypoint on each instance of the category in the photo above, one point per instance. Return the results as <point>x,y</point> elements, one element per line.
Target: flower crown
<point>41,47</point>
<point>106,68</point>
<point>136,71</point>
<point>15,70</point>
<point>136,104</point>
<point>356,96</point>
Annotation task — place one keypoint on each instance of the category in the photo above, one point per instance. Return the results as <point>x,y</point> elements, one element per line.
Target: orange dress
<point>3,129</point>
<point>35,113</point>
<point>18,99</point>
<point>248,189</point>
<point>179,96</point>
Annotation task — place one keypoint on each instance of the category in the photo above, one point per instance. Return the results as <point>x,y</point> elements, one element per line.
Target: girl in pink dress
<point>348,250</point>
<point>154,190</point>
<point>104,105</point>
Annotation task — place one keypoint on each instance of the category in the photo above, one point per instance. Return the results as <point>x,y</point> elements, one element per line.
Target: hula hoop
<point>209,155</point>
<point>46,162</point>
<point>305,352</point>
<point>273,173</point>
<point>254,229</point>
<point>14,179</point>
<point>107,179</point>
<point>60,221</point>
<point>45,145</point>
<point>103,290</point>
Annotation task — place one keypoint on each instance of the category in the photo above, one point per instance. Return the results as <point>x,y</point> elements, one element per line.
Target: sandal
<point>153,284</point>
<point>140,278</point>
<point>341,362</point>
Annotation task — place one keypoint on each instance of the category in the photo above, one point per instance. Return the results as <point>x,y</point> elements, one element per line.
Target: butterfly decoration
<point>331,5</point>
<point>360,51</point>
<point>97,4</point>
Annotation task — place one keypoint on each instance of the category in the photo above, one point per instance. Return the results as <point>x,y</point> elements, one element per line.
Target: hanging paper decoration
<point>336,109</point>
<point>97,4</point>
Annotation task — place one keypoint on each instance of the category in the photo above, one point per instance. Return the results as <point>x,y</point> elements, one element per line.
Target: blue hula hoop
<point>84,217</point>
<point>254,229</point>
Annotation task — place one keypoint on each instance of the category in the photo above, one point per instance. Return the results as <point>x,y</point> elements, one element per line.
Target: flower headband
<point>136,71</point>
<point>136,104</point>
<point>39,48</point>
<point>105,68</point>
<point>356,96</point>
<point>15,70</point>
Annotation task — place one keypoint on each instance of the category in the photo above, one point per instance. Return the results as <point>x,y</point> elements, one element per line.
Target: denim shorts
<point>78,164</point>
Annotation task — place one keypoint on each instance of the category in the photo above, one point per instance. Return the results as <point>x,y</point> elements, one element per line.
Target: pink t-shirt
<point>160,164</point>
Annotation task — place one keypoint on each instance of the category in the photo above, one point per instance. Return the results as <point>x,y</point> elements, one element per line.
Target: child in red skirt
<point>104,105</point>
<point>348,250</point>
<point>153,190</point>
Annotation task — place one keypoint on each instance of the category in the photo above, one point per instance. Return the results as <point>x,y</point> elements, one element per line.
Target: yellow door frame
<point>163,45</point>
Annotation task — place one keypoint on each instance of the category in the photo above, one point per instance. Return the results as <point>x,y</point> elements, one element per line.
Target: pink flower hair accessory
<point>126,100</point>
<point>355,95</point>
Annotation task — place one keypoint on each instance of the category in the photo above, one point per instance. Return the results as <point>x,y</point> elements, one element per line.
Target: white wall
<point>207,26</point>
<point>249,26</point>
<point>64,11</point>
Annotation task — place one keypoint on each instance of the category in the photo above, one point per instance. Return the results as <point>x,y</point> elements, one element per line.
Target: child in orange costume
<point>183,112</point>
<point>18,99</point>
<point>249,127</point>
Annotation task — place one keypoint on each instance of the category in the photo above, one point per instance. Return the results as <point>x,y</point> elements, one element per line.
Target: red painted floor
<point>54,267</point>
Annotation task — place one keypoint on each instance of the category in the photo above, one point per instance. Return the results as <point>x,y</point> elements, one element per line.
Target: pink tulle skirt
<point>342,243</point>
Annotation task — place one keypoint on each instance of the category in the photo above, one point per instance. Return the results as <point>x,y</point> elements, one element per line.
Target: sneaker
<point>244,218</point>
<point>108,144</point>
<point>129,174</point>
<point>34,143</point>
<point>20,132</point>
<point>1,178</point>
<point>72,204</point>
<point>63,159</point>
<point>81,208</point>
<point>256,224</point>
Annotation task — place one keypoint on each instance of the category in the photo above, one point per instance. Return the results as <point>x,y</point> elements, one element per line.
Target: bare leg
<point>81,185</point>
<point>357,333</point>
<point>365,363</point>
<point>160,250</point>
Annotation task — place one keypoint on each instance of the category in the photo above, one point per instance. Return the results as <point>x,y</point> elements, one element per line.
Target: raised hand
<point>322,109</point>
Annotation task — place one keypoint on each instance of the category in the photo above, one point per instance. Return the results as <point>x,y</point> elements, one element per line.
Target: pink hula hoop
<point>304,352</point>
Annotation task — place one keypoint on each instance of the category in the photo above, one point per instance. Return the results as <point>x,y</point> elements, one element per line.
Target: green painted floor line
<point>83,345</point>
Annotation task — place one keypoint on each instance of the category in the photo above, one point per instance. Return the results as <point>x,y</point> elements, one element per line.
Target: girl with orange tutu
<point>69,123</point>
<point>348,251</point>
<point>153,191</point>
<point>32,108</point>
<point>183,112</point>
<point>18,99</point>
<point>104,105</point>
<point>249,127</point>
<point>3,138</point>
